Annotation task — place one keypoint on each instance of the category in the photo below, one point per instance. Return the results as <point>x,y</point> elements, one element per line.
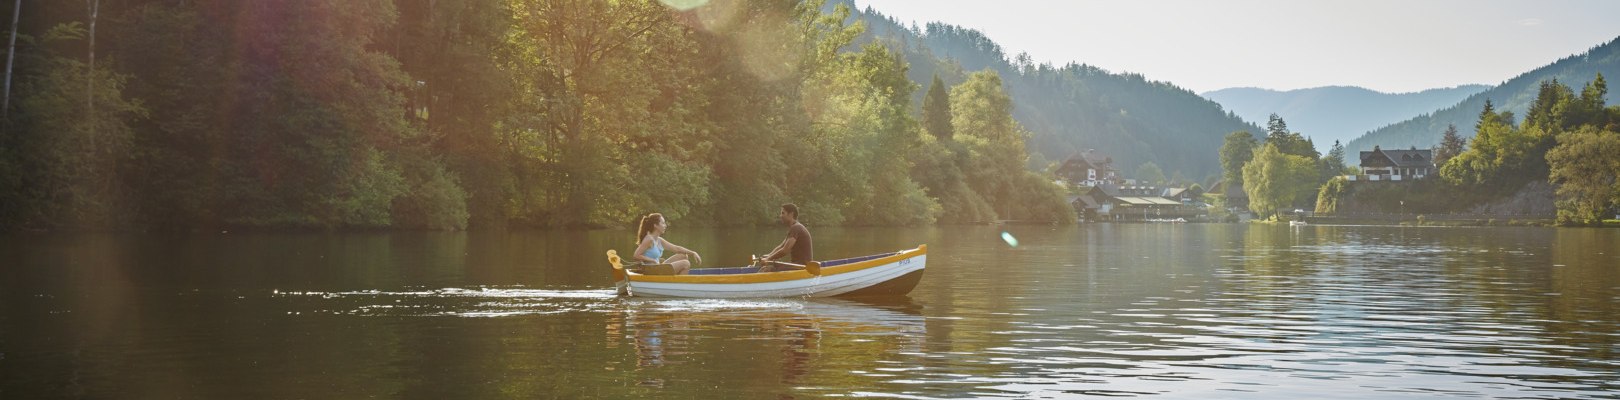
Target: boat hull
<point>889,275</point>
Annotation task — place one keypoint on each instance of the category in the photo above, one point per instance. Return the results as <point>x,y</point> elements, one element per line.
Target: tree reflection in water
<point>754,337</point>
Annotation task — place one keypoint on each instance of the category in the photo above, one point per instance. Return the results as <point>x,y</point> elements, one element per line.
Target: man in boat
<point>797,246</point>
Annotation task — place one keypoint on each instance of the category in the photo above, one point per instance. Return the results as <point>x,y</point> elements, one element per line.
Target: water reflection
<point>1183,310</point>
<point>673,333</point>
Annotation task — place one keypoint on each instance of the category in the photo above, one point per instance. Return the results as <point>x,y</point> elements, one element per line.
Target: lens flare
<point>1008,237</point>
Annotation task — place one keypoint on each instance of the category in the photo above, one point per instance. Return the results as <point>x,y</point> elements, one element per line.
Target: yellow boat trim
<point>781,275</point>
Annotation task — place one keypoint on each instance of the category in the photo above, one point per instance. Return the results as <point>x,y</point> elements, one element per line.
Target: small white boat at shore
<point>885,274</point>
<point>1296,223</point>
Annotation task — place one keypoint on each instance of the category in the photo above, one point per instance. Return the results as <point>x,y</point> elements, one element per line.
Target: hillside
<point>1073,107</point>
<point>1342,113</point>
<point>1513,95</point>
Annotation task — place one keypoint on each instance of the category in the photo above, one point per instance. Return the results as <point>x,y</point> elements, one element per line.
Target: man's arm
<point>782,250</point>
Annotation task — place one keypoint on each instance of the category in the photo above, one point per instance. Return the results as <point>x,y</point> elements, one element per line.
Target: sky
<point>1201,45</point>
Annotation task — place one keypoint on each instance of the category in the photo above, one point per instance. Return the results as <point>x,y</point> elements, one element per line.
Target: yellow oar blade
<point>814,268</point>
<point>618,265</point>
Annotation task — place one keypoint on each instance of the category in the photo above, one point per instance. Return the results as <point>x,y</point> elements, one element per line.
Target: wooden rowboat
<point>886,274</point>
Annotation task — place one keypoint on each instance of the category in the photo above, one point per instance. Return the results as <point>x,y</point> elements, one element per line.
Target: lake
<point>1149,310</point>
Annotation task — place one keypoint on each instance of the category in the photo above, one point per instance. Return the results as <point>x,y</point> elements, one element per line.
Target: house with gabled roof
<point>1088,168</point>
<point>1396,165</point>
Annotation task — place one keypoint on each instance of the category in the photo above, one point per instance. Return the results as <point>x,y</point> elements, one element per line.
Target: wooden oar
<point>621,279</point>
<point>814,268</point>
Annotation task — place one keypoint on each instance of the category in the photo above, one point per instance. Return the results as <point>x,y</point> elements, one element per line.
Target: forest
<point>1516,94</point>
<point>1567,138</point>
<point>448,115</point>
<point>1073,107</point>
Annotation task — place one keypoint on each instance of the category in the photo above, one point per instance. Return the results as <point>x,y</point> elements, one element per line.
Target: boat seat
<point>653,269</point>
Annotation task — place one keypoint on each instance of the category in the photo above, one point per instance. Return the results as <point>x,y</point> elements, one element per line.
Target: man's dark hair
<point>791,209</point>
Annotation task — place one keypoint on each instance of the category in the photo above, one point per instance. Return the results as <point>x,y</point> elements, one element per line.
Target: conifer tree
<point>937,110</point>
<point>1451,144</point>
<point>1333,163</point>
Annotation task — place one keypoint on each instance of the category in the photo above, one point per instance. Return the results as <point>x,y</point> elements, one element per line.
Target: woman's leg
<point>681,262</point>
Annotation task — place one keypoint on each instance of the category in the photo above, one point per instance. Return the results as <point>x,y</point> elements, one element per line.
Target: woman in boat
<point>651,245</point>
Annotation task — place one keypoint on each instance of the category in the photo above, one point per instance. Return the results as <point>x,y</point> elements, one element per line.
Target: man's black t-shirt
<point>802,247</point>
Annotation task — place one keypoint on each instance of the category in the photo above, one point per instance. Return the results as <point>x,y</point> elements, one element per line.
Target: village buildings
<point>1102,194</point>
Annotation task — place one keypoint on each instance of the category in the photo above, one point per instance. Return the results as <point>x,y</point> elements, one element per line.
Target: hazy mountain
<point>1515,95</point>
<point>1072,107</point>
<point>1342,113</point>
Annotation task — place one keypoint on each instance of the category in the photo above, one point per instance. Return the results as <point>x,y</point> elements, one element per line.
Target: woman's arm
<point>646,243</point>
<point>678,249</point>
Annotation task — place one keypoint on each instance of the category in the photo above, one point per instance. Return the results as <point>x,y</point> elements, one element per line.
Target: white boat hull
<point>892,275</point>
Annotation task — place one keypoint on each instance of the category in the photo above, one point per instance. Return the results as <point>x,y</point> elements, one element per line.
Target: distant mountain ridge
<point>1342,113</point>
<point>1074,107</point>
<point>1514,95</point>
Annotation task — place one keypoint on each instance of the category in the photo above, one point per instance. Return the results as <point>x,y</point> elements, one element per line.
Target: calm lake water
<point>1149,310</point>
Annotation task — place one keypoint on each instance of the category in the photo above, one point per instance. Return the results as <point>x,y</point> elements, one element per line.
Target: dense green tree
<point>937,110</point>
<point>324,124</point>
<point>1333,164</point>
<point>993,145</point>
<point>1494,140</point>
<point>1564,139</point>
<point>1073,107</point>
<point>1551,109</point>
<point>606,99</point>
<point>458,94</point>
<point>482,113</point>
<point>1451,144</point>
<point>61,165</point>
<point>863,120</point>
<point>1149,173</point>
<point>1275,180</point>
<point>1584,166</point>
<point>1327,199</point>
<point>185,161</point>
<point>982,117</point>
<point>1292,143</point>
<point>1276,127</point>
<point>1237,150</point>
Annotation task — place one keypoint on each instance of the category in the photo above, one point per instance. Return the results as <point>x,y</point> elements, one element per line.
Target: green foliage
<point>982,174</point>
<point>865,129</point>
<point>937,110</point>
<point>1333,164</point>
<point>1274,180</point>
<point>1585,165</point>
<point>64,165</point>
<point>1501,152</point>
<point>1150,173</point>
<point>488,113</point>
<point>1332,192</point>
<point>461,93</point>
<point>1072,107</point>
<point>1514,94</point>
<point>1451,144</point>
<point>937,166</point>
<point>1237,150</point>
<point>1565,139</point>
<point>1291,143</point>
